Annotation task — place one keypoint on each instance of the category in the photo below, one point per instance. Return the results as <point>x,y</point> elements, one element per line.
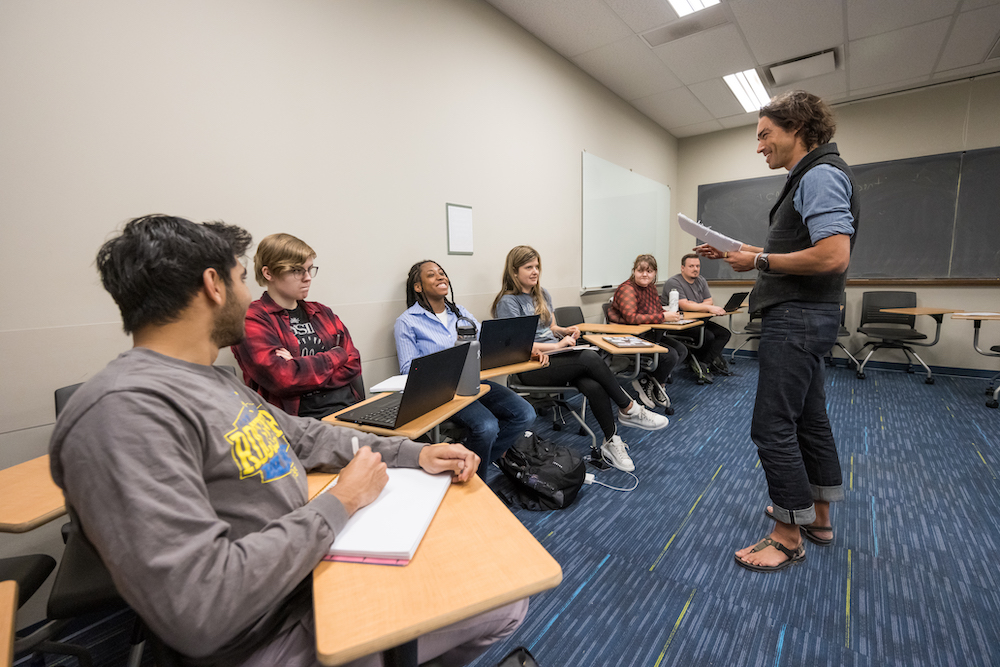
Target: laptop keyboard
<point>385,416</point>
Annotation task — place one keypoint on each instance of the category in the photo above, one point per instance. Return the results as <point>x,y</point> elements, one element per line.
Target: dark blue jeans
<point>790,425</point>
<point>494,422</point>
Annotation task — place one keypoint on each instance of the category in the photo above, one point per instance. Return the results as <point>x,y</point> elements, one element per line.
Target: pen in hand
<point>354,445</point>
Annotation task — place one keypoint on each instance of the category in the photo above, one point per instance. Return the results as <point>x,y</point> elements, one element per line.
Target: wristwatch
<point>761,263</point>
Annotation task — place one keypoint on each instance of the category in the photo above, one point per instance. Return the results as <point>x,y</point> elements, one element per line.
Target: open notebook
<point>388,531</point>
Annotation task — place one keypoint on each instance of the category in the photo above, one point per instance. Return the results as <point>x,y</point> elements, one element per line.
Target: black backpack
<point>545,476</point>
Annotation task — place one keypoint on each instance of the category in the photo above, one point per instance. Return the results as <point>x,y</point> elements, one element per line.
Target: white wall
<point>349,124</point>
<point>956,117</point>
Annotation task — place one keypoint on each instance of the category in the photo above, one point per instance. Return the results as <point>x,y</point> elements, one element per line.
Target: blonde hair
<point>509,284</point>
<point>280,253</point>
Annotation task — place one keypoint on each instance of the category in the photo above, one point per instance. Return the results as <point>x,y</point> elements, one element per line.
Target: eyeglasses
<point>300,272</point>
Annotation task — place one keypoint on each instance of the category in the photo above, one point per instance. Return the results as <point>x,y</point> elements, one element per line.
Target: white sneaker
<point>641,386</point>
<point>615,452</point>
<point>640,417</point>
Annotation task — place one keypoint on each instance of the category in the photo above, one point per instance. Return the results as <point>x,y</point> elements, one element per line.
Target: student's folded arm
<point>143,502</point>
<point>257,356</point>
<point>346,358</point>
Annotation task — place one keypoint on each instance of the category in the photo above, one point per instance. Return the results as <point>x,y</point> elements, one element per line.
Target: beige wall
<point>350,124</point>
<point>944,119</point>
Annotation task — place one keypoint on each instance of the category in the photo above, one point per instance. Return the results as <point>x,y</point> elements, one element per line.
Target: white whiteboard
<point>624,215</point>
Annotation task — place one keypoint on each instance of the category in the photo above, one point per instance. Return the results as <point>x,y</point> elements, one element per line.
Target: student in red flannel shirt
<point>636,301</point>
<point>297,354</point>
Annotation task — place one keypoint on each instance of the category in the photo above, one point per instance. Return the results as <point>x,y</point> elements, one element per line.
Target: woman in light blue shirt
<point>522,294</point>
<point>430,324</point>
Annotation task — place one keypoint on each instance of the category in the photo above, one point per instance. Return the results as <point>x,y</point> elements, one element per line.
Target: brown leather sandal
<point>794,556</point>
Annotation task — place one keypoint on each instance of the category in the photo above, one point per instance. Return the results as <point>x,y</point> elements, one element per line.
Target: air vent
<point>994,52</point>
<point>689,25</point>
<point>802,68</point>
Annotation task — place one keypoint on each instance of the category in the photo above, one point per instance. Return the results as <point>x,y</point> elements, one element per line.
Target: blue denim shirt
<point>823,199</point>
<point>419,332</point>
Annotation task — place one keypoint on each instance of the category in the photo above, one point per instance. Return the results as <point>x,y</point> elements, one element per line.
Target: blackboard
<point>931,217</point>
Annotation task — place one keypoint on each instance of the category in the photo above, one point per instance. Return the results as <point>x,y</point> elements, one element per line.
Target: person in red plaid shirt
<point>636,301</point>
<point>297,354</point>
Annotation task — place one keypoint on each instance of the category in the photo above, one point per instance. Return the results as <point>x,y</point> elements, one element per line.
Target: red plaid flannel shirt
<point>636,305</point>
<point>282,382</point>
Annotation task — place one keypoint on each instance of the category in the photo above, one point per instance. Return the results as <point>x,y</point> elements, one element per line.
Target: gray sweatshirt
<point>193,490</point>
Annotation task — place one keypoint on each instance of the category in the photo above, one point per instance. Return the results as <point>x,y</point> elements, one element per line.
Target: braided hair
<point>413,296</point>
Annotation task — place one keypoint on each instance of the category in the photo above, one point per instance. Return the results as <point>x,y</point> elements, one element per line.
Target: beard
<point>230,324</point>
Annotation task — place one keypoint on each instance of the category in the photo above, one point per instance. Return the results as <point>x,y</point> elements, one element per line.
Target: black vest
<point>788,233</point>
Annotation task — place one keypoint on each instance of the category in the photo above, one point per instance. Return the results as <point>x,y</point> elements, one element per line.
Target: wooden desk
<point>509,369</point>
<point>598,340</point>
<point>28,496</point>
<point>418,426</point>
<point>8,608</point>
<point>673,326</point>
<point>612,328</point>
<point>476,556</point>
<point>978,318</point>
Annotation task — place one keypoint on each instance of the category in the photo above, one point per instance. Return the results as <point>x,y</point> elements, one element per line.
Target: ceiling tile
<point>872,17</point>
<point>629,68</point>
<point>741,120</point>
<point>705,55</point>
<point>717,97</point>
<point>643,15</point>
<point>971,39</point>
<point>568,26</point>
<point>898,55</point>
<point>697,128</point>
<point>779,30</point>
<point>675,108</point>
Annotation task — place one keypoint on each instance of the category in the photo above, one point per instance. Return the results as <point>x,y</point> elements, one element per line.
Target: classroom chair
<point>568,316</point>
<point>844,332</point>
<point>752,332</point>
<point>556,398</point>
<point>890,330</point>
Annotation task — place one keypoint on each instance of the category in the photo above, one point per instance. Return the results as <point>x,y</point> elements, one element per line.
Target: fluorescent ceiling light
<point>748,89</point>
<point>685,7</point>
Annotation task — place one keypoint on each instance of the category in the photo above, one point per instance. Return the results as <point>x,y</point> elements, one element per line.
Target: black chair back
<point>63,394</point>
<point>605,307</point>
<point>872,304</point>
<point>567,316</point>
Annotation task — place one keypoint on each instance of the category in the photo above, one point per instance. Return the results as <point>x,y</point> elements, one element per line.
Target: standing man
<point>694,295</point>
<point>802,269</point>
<point>193,489</point>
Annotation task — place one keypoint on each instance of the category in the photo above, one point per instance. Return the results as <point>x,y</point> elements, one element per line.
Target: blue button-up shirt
<point>419,332</point>
<point>823,199</point>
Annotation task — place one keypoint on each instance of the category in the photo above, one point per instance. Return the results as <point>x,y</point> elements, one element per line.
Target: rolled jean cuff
<point>794,517</point>
<point>828,493</point>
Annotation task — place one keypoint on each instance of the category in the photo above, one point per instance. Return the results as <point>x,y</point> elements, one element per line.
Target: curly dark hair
<point>155,266</point>
<point>804,114</point>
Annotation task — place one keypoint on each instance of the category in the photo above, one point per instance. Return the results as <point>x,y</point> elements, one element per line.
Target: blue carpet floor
<point>911,578</point>
<point>649,579</point>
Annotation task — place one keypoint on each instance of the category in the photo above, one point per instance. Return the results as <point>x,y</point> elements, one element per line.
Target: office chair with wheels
<point>842,332</point>
<point>752,332</point>
<point>891,330</point>
<point>625,367</point>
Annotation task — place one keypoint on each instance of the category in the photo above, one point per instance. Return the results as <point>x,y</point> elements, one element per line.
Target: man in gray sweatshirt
<point>193,489</point>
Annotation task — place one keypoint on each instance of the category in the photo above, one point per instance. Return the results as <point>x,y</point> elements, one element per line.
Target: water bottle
<point>468,385</point>
<point>672,304</point>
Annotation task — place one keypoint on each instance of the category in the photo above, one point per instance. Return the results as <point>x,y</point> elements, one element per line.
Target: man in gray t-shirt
<point>193,489</point>
<point>694,296</point>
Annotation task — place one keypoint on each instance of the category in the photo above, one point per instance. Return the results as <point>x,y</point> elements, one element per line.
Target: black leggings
<point>667,362</point>
<point>585,370</point>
